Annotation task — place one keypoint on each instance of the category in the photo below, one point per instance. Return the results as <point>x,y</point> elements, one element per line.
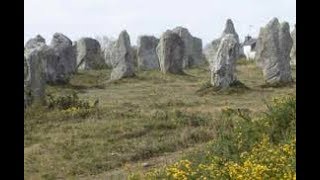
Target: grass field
<point>152,118</point>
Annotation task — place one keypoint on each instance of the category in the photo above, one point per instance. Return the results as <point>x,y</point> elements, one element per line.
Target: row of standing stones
<point>176,50</point>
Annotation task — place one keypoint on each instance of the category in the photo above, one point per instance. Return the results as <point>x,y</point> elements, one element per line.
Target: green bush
<point>245,146</point>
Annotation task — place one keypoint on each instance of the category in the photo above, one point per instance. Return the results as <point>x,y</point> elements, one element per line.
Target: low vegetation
<point>91,128</point>
<point>261,147</point>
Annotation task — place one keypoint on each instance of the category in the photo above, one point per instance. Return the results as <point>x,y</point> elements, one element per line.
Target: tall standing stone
<point>89,54</point>
<point>34,82</point>
<point>170,51</point>
<point>213,47</point>
<point>273,52</point>
<point>146,53</point>
<point>293,49</point>
<point>223,69</point>
<point>122,58</point>
<point>34,70</point>
<point>62,61</point>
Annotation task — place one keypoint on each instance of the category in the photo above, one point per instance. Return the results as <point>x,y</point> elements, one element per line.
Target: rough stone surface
<point>107,53</point>
<point>293,49</point>
<point>273,52</point>
<point>229,29</point>
<point>122,58</point>
<point>134,50</point>
<point>146,53</point>
<point>193,48</point>
<point>61,63</point>
<point>198,58</point>
<point>213,47</point>
<point>211,50</point>
<point>223,69</point>
<point>89,54</point>
<point>34,75</point>
<point>38,41</point>
<point>170,51</point>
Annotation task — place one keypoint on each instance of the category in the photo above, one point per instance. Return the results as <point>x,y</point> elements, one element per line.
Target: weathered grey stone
<point>34,75</point>
<point>229,29</point>
<point>122,58</point>
<point>89,54</point>
<point>108,53</point>
<point>223,69</point>
<point>106,44</point>
<point>146,53</point>
<point>27,95</point>
<point>61,62</point>
<point>193,48</point>
<point>170,51</point>
<point>38,41</point>
<point>293,49</point>
<point>134,50</point>
<point>188,43</point>
<point>213,47</point>
<point>273,52</point>
<point>198,58</point>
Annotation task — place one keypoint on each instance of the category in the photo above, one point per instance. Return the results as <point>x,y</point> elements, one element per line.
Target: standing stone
<point>36,42</point>
<point>27,95</point>
<point>146,53</point>
<point>229,29</point>
<point>293,50</point>
<point>170,51</point>
<point>61,63</point>
<point>198,58</point>
<point>89,54</point>
<point>106,48</point>
<point>34,70</point>
<point>188,43</point>
<point>134,50</point>
<point>107,53</point>
<point>122,58</point>
<point>273,52</point>
<point>34,75</point>
<point>223,69</point>
<point>212,48</point>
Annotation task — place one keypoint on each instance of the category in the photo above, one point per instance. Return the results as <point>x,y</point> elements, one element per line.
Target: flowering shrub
<point>245,147</point>
<point>71,105</point>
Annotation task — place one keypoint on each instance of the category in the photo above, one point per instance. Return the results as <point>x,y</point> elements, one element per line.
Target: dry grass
<point>138,119</point>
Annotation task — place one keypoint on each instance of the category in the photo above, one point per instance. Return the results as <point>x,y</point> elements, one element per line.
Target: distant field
<point>151,118</point>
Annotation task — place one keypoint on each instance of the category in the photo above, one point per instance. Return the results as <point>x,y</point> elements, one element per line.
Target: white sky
<point>204,18</point>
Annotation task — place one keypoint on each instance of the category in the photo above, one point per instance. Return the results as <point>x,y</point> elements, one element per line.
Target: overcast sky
<point>204,18</point>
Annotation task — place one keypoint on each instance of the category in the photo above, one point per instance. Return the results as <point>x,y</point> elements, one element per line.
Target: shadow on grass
<point>235,88</point>
<point>278,85</point>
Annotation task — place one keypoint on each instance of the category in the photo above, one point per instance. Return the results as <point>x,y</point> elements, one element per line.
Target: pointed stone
<point>122,58</point>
